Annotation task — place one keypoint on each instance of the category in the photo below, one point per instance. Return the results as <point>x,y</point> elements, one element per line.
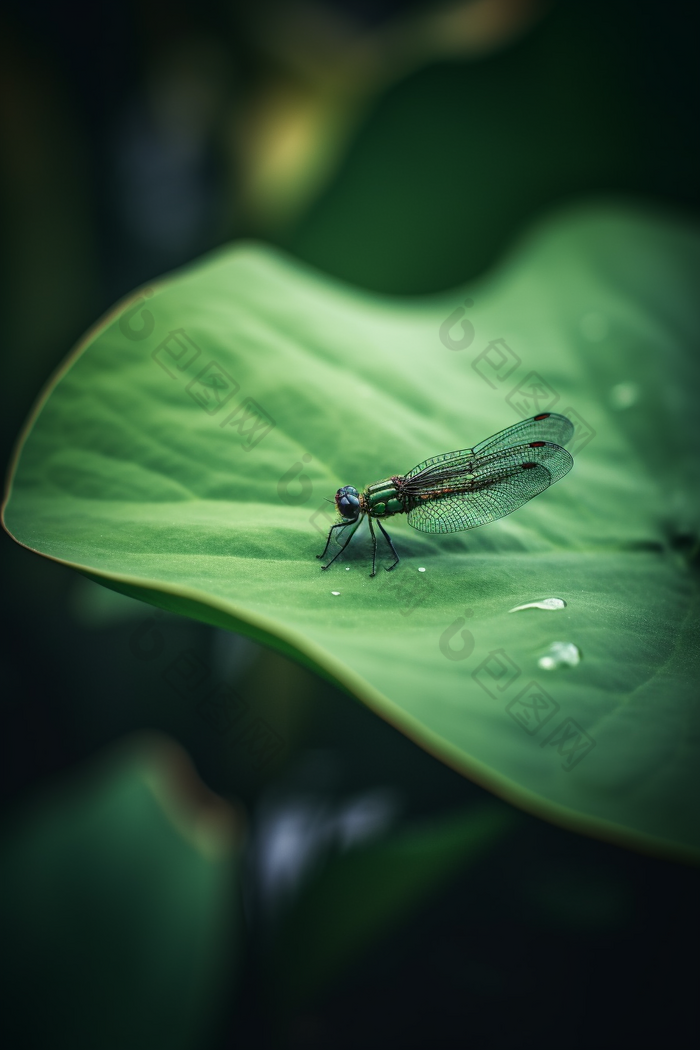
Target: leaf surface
<point>185,452</point>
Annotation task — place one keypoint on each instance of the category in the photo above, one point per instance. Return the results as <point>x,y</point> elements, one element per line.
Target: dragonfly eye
<point>347,500</point>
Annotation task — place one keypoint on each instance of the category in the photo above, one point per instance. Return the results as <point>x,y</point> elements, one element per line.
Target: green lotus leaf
<point>185,452</point>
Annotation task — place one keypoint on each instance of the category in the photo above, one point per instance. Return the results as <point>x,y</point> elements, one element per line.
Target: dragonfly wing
<point>437,465</point>
<point>547,426</point>
<point>555,459</point>
<point>500,484</point>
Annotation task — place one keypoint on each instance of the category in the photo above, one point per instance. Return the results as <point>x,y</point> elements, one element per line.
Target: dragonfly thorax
<point>347,500</point>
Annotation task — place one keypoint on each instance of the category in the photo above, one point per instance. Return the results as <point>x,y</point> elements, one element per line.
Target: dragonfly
<point>460,490</point>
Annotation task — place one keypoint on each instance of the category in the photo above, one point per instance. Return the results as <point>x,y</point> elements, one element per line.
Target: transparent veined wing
<point>437,466</point>
<point>499,483</point>
<point>548,426</point>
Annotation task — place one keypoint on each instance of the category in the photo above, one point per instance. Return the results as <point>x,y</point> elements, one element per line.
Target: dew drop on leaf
<point>560,654</point>
<point>543,603</point>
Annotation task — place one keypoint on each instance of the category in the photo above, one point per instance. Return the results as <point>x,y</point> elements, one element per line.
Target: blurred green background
<point>158,889</point>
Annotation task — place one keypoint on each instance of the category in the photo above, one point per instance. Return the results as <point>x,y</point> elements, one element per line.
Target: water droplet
<point>622,395</point>
<point>594,327</point>
<point>560,654</point>
<point>543,603</point>
<point>335,592</point>
<point>421,570</point>
<point>347,568</point>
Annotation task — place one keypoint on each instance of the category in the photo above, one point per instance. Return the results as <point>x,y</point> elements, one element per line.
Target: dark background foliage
<point>128,131</point>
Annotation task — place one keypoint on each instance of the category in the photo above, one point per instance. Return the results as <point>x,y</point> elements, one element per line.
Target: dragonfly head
<point>347,500</point>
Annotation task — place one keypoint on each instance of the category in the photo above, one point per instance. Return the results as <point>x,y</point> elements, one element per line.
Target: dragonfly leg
<point>340,525</point>
<point>387,537</point>
<point>374,549</point>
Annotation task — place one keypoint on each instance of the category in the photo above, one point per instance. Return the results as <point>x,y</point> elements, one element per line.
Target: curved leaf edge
<point>296,647</point>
